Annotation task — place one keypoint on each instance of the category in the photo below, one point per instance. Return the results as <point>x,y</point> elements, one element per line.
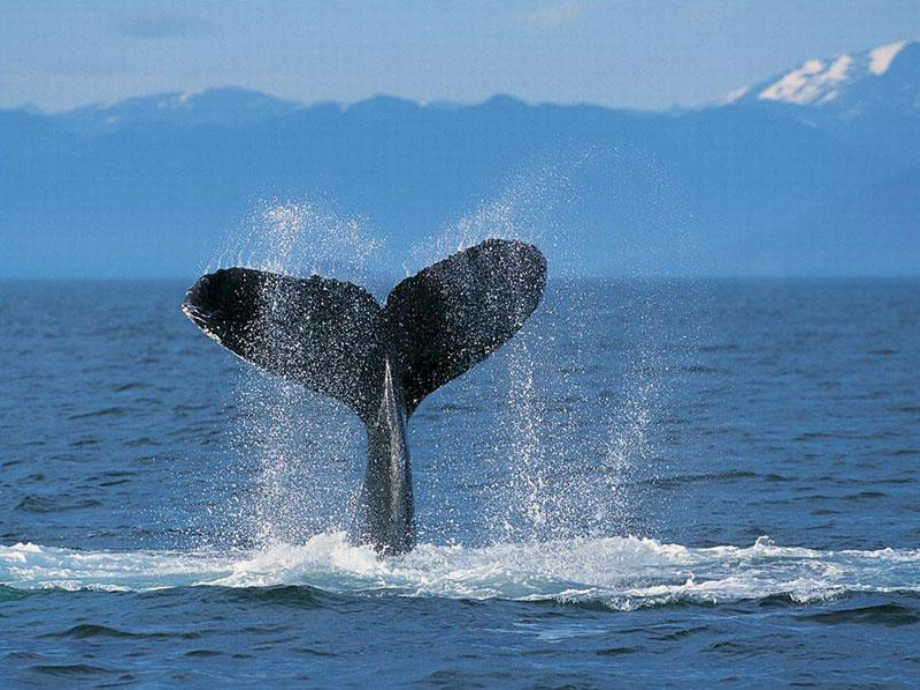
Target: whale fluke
<point>455,313</point>
<point>318,332</point>
<point>335,339</point>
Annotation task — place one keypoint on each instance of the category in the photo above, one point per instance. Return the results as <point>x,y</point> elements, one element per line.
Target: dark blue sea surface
<point>657,483</point>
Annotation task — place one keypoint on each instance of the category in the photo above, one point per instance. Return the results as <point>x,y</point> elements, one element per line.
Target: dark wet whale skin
<point>334,338</point>
<point>388,498</point>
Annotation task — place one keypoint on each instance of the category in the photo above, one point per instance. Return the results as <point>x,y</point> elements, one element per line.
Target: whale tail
<point>334,338</point>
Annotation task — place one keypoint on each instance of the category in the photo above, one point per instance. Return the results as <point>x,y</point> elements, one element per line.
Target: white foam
<point>620,572</point>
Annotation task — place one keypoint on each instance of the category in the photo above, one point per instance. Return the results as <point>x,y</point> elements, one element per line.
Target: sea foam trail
<point>618,572</point>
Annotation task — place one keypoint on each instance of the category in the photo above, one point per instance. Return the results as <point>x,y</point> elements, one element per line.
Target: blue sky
<point>620,53</point>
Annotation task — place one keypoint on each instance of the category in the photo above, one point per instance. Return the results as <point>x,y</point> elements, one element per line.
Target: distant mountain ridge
<point>875,93</point>
<point>887,73</point>
<point>811,172</point>
<point>231,107</point>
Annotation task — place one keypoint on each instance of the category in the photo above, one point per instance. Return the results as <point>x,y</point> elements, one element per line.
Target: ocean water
<point>657,483</point>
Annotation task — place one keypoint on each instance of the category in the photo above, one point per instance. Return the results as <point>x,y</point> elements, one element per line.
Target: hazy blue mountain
<point>229,107</point>
<point>151,186</point>
<point>873,96</point>
<point>874,231</point>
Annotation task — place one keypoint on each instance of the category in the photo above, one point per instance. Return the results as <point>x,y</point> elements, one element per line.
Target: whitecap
<point>619,572</point>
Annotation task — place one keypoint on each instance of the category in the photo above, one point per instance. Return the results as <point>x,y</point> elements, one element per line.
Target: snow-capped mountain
<point>816,171</point>
<point>873,96</point>
<point>231,107</point>
<point>842,83</point>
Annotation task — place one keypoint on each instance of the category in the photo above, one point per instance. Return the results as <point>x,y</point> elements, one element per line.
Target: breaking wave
<point>619,573</point>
